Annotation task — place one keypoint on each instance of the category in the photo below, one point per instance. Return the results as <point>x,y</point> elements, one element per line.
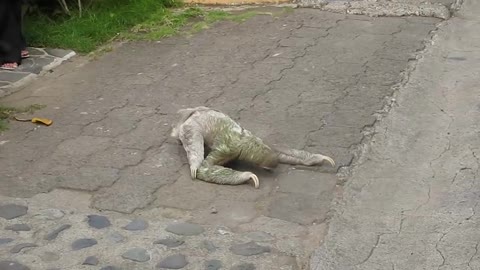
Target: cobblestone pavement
<point>306,79</point>
<point>40,60</point>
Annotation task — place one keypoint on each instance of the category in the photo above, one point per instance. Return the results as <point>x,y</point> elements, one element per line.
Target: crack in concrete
<point>267,53</point>
<point>294,60</point>
<point>105,116</point>
<point>144,156</point>
<point>457,172</point>
<point>371,250</point>
<point>438,250</point>
<point>473,256</point>
<point>149,203</point>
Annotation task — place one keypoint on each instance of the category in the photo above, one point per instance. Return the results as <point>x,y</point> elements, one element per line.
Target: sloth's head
<point>269,161</point>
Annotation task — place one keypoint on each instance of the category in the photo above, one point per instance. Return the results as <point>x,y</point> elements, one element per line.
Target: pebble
<point>136,225</point>
<point>208,245</point>
<point>17,248</point>
<point>213,265</point>
<point>5,240</point>
<point>176,261</point>
<point>98,222</point>
<point>243,266</point>
<point>53,234</point>
<point>170,242</point>
<point>260,236</point>
<point>223,231</point>
<point>83,243</point>
<point>110,267</point>
<point>50,214</point>
<point>115,237</point>
<point>12,265</point>
<point>90,260</point>
<point>137,255</point>
<point>187,229</point>
<point>249,249</point>
<point>18,228</point>
<point>11,211</point>
<point>213,210</point>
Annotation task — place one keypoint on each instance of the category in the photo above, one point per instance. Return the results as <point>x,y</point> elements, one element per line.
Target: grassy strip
<point>100,22</point>
<point>121,19</point>
<point>155,29</point>
<point>8,112</point>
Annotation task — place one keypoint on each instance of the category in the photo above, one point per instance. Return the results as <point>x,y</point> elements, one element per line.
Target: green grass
<point>8,112</point>
<point>99,23</point>
<point>171,23</point>
<point>106,20</point>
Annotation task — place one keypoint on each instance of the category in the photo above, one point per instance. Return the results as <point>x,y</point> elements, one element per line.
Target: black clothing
<point>12,41</point>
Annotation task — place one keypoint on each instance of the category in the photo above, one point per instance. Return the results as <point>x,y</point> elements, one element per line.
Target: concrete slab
<point>412,201</point>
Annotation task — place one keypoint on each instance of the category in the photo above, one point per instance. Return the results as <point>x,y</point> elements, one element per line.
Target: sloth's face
<point>270,162</point>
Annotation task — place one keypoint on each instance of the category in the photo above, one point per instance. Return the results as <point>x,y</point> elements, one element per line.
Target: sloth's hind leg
<point>300,157</point>
<point>225,176</point>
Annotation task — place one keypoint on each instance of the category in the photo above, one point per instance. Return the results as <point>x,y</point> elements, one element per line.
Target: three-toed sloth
<point>201,127</point>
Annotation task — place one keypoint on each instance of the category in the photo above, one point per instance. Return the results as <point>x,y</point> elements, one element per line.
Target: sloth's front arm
<point>193,143</point>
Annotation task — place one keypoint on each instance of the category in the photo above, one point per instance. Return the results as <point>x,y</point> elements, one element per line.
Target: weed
<point>8,112</point>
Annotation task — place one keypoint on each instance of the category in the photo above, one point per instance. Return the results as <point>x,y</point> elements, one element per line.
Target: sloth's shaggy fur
<point>201,127</point>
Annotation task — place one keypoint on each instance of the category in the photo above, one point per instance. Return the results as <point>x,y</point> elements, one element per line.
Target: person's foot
<point>25,54</point>
<point>9,66</point>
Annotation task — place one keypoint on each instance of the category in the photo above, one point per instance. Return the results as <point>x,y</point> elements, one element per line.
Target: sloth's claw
<point>330,160</point>
<point>255,180</point>
<point>193,173</point>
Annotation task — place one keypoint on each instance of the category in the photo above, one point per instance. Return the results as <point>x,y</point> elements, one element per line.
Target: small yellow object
<point>44,121</point>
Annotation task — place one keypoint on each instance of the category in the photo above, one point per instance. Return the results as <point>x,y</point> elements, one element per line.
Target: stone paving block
<point>246,192</point>
<point>78,149</point>
<point>11,76</point>
<point>116,158</point>
<point>132,197</point>
<point>274,226</point>
<point>35,64</point>
<point>381,26</point>
<point>32,182</point>
<point>138,183</point>
<point>350,118</point>
<point>288,52</point>
<point>118,121</point>
<point>327,20</point>
<point>300,208</point>
<point>307,182</point>
<point>328,136</point>
<point>185,193</point>
<point>12,211</point>
<point>365,96</point>
<point>227,213</point>
<point>293,42</point>
<point>87,178</point>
